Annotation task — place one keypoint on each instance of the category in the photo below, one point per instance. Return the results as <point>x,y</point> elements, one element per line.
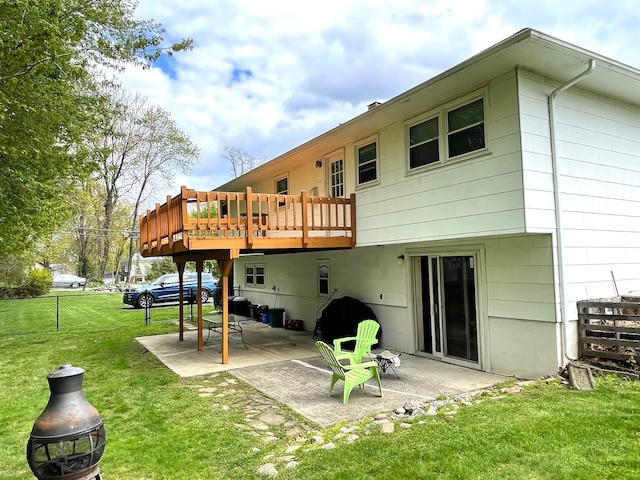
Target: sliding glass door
<point>449,326</point>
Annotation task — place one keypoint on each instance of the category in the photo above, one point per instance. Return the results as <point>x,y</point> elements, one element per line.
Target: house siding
<point>515,285</point>
<point>477,196</point>
<point>497,205</point>
<point>598,150</point>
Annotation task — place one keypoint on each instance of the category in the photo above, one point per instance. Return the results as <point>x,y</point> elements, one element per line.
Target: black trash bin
<point>230,304</point>
<point>241,306</point>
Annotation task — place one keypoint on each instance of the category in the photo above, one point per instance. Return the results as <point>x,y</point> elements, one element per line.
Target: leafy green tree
<point>137,151</point>
<point>50,54</point>
<point>161,267</point>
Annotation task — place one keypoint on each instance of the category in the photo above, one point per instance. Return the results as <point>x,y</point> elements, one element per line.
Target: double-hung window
<point>367,161</point>
<point>447,134</point>
<point>424,144</point>
<point>465,128</point>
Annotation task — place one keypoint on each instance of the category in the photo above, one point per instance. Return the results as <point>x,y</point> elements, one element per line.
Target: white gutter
<point>556,195</point>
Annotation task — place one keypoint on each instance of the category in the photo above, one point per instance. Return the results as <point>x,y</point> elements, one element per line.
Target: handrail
<point>209,220</point>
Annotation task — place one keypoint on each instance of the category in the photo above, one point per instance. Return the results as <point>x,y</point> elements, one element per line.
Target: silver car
<point>67,280</point>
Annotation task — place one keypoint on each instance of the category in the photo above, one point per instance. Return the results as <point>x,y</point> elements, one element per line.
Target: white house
<point>489,199</point>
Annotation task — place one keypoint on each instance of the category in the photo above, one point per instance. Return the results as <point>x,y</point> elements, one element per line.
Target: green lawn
<point>77,310</point>
<point>158,427</point>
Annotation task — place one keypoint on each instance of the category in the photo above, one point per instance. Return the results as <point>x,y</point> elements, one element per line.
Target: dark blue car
<point>167,288</point>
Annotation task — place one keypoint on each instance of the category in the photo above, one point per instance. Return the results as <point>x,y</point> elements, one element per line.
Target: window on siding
<point>323,278</point>
<point>337,178</point>
<point>424,146</point>
<point>282,186</point>
<point>254,275</point>
<point>249,275</point>
<point>465,128</point>
<point>367,156</point>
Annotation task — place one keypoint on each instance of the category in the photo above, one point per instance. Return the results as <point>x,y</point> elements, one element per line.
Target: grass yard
<point>77,310</point>
<point>158,427</point>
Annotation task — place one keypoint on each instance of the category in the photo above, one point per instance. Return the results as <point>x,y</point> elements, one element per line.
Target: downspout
<point>556,195</point>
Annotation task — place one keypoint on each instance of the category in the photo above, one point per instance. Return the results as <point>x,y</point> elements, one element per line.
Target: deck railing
<point>220,220</point>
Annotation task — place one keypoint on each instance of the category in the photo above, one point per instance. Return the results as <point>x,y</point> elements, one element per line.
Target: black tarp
<point>341,316</point>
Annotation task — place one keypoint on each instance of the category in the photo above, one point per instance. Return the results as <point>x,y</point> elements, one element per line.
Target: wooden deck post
<point>250,223</point>
<point>199,268</point>
<point>180,266</point>
<point>305,221</point>
<point>225,269</point>
<point>352,199</point>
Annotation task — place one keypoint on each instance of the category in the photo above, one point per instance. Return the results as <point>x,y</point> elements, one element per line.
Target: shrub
<point>38,283</point>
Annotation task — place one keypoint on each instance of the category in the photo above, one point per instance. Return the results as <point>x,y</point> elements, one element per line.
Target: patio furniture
<point>214,324</point>
<point>352,375</point>
<point>386,360</point>
<point>365,338</point>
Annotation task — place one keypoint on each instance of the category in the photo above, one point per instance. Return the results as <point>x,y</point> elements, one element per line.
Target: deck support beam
<point>225,269</point>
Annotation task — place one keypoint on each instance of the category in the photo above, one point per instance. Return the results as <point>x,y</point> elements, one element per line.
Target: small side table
<point>386,360</point>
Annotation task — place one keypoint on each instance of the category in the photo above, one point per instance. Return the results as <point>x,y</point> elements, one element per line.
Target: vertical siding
<point>598,143</point>
<point>477,196</point>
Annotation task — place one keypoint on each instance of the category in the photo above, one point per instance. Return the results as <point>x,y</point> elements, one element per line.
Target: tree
<point>241,161</point>
<point>160,267</point>
<point>136,151</point>
<point>51,53</point>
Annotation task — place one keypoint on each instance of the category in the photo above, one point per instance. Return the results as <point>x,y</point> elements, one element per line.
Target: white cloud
<point>266,76</point>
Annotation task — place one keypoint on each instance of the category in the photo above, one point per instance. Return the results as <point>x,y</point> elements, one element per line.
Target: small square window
<point>255,275</point>
<point>260,276</point>
<point>249,277</point>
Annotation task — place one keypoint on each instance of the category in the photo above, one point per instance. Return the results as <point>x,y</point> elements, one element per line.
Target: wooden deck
<point>199,222</point>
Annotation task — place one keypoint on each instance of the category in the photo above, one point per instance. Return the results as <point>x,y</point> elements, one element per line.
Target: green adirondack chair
<point>352,375</point>
<point>365,338</point>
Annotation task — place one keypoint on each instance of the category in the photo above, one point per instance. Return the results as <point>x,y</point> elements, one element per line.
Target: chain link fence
<point>81,311</point>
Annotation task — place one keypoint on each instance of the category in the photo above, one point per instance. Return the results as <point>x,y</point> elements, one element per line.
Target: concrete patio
<point>286,366</point>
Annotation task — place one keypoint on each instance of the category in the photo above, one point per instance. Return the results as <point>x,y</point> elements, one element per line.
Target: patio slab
<point>285,366</point>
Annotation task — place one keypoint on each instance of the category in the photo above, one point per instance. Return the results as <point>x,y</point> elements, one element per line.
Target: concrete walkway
<point>285,366</point>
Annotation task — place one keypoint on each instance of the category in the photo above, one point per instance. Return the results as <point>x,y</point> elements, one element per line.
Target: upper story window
<point>337,177</point>
<point>367,161</point>
<point>465,128</point>
<point>282,186</point>
<point>424,146</point>
<point>447,134</point>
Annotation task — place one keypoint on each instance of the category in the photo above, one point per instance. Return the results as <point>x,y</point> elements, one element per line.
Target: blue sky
<point>267,76</point>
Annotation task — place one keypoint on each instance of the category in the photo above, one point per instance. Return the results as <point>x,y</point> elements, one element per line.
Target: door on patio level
<point>447,320</point>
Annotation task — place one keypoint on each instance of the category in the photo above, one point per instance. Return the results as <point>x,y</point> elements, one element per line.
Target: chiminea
<point>68,438</point>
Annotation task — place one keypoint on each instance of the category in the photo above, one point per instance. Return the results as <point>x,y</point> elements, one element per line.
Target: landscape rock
<point>267,470</point>
<point>387,427</point>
